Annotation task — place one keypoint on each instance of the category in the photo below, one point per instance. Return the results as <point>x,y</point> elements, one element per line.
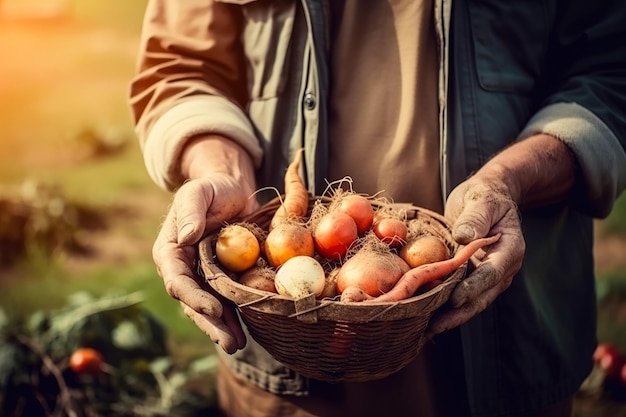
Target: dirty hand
<point>221,181</point>
<point>534,172</point>
<point>199,206</point>
<point>480,209</point>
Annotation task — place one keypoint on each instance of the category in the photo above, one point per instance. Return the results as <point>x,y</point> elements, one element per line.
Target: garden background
<point>78,213</point>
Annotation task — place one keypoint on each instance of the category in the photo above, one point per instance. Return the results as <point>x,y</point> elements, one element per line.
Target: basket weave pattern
<point>331,340</point>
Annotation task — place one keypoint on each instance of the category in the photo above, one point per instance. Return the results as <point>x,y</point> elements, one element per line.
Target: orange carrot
<point>416,277</point>
<point>296,199</point>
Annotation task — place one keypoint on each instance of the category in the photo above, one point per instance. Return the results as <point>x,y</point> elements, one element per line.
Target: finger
<point>204,205</point>
<point>484,277</point>
<point>190,206</point>
<point>499,264</point>
<point>226,200</point>
<point>481,208</point>
<point>231,319</point>
<point>176,266</point>
<point>206,311</point>
<point>199,304</point>
<point>217,330</point>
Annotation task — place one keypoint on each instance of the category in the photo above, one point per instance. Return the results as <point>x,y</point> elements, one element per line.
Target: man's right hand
<point>211,197</point>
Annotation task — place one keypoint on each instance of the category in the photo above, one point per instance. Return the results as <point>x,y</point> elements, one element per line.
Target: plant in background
<point>104,357</point>
<point>39,218</point>
<point>102,142</point>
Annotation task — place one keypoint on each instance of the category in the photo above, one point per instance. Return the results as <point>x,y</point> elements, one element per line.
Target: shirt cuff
<point>195,116</point>
<point>601,157</point>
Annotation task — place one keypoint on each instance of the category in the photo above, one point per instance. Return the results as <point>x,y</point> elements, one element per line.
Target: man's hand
<point>482,209</point>
<point>220,189</point>
<point>533,172</point>
<point>198,207</point>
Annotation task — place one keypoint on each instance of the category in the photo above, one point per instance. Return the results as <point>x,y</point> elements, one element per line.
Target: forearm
<point>536,171</point>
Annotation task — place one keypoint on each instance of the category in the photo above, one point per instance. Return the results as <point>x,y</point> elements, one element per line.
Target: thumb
<point>191,206</point>
<point>476,208</point>
<point>205,204</point>
<point>473,222</point>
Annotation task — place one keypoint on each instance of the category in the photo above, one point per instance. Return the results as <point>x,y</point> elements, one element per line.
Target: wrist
<point>539,170</point>
<point>210,154</point>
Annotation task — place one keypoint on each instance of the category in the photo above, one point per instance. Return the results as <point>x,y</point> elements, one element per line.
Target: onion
<point>300,277</point>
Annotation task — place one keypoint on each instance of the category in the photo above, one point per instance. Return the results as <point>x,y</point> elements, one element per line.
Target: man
<point>506,117</point>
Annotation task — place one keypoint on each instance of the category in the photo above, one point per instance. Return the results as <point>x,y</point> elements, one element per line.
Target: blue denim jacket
<point>507,70</point>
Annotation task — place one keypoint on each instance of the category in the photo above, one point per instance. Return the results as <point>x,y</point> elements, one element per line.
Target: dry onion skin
<point>237,247</point>
<point>286,240</point>
<point>373,268</point>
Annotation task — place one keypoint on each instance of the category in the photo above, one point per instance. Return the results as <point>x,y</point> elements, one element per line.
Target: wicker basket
<point>331,340</point>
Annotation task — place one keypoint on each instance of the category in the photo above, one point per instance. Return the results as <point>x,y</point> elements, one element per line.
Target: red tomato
<point>391,231</point>
<point>360,209</point>
<point>334,234</point>
<point>86,361</point>
<point>610,359</point>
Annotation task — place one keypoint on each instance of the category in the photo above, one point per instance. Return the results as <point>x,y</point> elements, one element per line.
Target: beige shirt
<point>384,116</point>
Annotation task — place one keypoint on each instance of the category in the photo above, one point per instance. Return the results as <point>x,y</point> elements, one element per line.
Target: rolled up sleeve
<point>600,155</point>
<point>195,116</point>
<point>190,80</point>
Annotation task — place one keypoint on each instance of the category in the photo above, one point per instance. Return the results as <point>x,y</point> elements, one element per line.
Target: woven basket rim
<point>311,309</point>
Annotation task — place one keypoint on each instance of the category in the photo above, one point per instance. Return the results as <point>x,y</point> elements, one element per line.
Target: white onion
<point>299,277</point>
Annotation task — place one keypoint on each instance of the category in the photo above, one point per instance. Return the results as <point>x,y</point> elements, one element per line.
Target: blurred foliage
<point>102,142</point>
<point>611,293</point>
<point>38,218</point>
<point>138,377</point>
<point>615,223</point>
<point>611,287</point>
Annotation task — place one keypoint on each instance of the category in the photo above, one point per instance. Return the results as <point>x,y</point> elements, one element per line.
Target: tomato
<point>334,234</point>
<point>360,209</point>
<point>86,361</point>
<point>391,231</point>
<point>610,359</point>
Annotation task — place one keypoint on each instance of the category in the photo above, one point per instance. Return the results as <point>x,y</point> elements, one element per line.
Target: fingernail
<point>185,231</point>
<point>465,232</point>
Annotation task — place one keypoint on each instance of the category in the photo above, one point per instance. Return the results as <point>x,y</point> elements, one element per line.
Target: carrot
<point>296,200</point>
<point>416,277</point>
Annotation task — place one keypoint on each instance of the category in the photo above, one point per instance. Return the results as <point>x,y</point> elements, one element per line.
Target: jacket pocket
<point>510,42</point>
<point>268,26</point>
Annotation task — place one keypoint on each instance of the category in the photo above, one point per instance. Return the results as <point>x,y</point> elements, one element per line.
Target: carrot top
<point>296,199</point>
